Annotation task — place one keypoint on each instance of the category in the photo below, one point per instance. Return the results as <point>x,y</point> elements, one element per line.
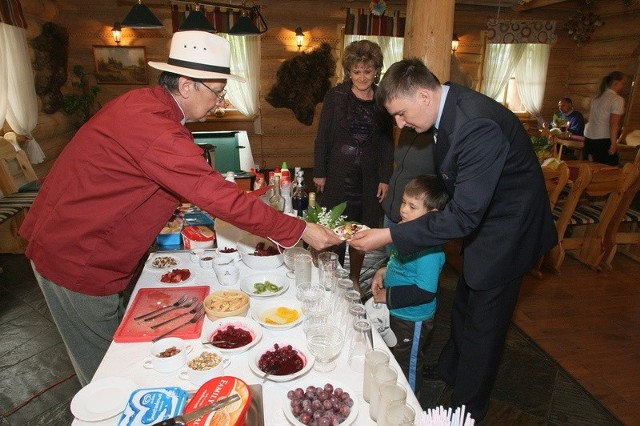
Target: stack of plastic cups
<point>373,360</point>
<point>382,375</point>
<point>343,285</point>
<point>359,344</point>
<point>356,312</point>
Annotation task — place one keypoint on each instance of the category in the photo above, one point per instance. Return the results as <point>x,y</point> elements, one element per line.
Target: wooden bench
<point>12,204</point>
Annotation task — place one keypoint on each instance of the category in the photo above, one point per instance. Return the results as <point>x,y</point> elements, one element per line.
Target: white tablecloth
<point>126,359</point>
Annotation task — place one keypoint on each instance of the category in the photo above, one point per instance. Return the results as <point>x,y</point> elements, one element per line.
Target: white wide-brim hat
<point>198,54</point>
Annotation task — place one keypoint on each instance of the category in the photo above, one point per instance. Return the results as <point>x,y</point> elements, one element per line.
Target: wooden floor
<point>589,322</point>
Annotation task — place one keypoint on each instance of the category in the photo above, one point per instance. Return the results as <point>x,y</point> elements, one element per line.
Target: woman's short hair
<point>403,79</point>
<point>364,51</point>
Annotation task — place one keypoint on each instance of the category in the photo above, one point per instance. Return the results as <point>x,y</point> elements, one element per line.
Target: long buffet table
<point>126,359</point>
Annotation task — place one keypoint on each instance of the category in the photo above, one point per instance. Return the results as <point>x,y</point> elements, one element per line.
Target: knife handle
<point>168,422</point>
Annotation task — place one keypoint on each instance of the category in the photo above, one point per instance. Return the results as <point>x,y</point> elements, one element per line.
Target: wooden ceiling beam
<point>534,4</point>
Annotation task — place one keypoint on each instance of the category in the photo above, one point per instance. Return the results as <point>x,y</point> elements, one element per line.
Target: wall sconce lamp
<point>299,37</point>
<point>117,32</point>
<point>196,21</point>
<point>454,43</point>
<point>141,17</point>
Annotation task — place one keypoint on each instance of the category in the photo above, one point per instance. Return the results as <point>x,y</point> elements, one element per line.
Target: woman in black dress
<point>354,146</point>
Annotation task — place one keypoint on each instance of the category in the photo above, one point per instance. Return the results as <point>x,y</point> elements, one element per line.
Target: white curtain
<point>500,63</point>
<point>531,75</point>
<point>391,50</point>
<point>245,61</point>
<point>18,100</point>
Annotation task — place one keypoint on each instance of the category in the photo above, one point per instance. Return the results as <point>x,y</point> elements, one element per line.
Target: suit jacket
<point>499,205</point>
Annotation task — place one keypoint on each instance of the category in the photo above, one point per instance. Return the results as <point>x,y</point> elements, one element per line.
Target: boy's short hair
<point>430,189</point>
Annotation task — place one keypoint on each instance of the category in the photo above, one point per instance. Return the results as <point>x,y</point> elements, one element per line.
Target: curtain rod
<point>213,3</point>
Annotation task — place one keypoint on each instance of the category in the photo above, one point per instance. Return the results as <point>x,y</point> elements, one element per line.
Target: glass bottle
<point>300,198</point>
<point>312,200</point>
<point>276,201</point>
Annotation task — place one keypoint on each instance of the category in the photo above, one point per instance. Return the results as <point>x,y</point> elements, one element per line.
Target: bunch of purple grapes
<point>320,406</point>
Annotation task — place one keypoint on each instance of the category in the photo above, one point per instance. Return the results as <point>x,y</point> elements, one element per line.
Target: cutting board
<point>149,299</point>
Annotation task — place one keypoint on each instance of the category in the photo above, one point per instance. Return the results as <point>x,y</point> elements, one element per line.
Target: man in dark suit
<point>499,207</point>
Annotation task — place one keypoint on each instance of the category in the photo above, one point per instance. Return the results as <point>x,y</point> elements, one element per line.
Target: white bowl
<point>300,347</point>
<point>211,327</point>
<point>266,308</point>
<point>248,284</point>
<point>247,246</point>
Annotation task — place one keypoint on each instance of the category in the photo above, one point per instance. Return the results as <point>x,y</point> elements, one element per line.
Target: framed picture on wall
<point>120,65</point>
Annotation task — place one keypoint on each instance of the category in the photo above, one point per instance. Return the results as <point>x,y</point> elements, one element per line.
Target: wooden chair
<point>623,234</point>
<point>555,179</point>
<point>15,168</point>
<point>581,228</point>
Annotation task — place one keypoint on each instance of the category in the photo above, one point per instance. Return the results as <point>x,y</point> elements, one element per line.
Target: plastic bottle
<point>285,187</point>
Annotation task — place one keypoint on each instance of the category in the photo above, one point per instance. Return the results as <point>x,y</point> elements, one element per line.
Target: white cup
<point>389,393</point>
<point>234,255</point>
<point>195,255</point>
<point>372,360</point>
<point>383,374</point>
<point>199,376</point>
<point>206,262</point>
<point>227,272</point>
<point>397,413</point>
<point>169,363</point>
<point>302,268</point>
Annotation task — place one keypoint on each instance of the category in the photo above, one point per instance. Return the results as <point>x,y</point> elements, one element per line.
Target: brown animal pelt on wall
<point>302,83</point>
<point>51,49</point>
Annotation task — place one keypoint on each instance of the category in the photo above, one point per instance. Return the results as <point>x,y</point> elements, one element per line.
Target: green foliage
<point>84,102</point>
<point>541,146</point>
<point>330,219</point>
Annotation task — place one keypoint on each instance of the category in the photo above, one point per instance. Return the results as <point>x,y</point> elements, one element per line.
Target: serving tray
<point>149,299</point>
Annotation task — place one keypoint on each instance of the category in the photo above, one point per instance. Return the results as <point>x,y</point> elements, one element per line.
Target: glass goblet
<point>325,344</point>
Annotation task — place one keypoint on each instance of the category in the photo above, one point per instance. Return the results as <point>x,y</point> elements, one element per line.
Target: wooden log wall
<point>573,71</point>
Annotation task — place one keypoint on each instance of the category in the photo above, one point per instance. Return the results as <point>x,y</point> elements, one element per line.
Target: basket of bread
<point>226,303</point>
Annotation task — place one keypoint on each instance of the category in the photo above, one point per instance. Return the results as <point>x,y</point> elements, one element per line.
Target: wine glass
<point>325,343</point>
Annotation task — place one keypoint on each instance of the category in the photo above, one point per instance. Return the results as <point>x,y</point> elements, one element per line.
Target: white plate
<point>286,406</point>
<point>247,284</point>
<point>149,265</point>
<point>299,346</point>
<point>240,322</point>
<point>340,230</point>
<point>187,281</point>
<point>102,399</point>
<point>267,307</point>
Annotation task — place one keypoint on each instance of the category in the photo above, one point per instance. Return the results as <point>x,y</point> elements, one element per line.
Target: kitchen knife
<point>189,417</point>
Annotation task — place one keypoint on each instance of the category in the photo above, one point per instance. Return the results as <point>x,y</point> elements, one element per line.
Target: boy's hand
<point>377,286</point>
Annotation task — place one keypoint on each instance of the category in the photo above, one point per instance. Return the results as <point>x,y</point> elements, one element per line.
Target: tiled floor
<point>37,380</point>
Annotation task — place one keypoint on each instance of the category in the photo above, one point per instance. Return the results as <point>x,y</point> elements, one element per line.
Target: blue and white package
<point>153,405</point>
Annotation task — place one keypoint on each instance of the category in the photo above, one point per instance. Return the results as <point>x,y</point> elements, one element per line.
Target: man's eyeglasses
<point>219,95</point>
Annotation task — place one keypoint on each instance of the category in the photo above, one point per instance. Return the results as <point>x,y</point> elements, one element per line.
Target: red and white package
<point>197,237</point>
<point>215,389</point>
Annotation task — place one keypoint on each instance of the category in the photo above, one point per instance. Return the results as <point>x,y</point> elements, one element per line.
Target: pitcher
<point>226,270</point>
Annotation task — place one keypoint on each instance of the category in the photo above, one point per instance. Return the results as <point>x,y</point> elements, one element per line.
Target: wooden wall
<point>573,71</point>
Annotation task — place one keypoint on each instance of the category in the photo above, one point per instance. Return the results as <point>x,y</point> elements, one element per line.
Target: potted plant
<point>84,102</point>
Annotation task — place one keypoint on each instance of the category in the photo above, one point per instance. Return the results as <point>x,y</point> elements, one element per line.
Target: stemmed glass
<point>325,343</point>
